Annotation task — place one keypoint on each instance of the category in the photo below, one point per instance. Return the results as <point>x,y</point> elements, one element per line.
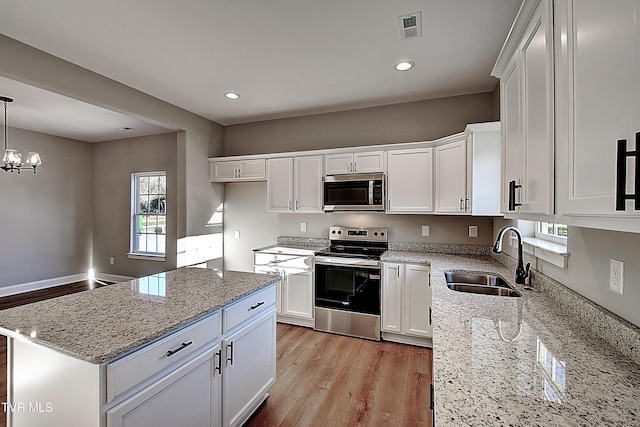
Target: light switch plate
<point>473,231</point>
<point>616,276</point>
<point>425,230</point>
<point>236,234</point>
<point>303,226</point>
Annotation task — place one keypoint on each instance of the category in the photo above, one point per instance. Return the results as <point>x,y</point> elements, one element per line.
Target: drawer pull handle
<point>621,174</point>
<point>512,196</point>
<point>182,347</point>
<point>253,307</point>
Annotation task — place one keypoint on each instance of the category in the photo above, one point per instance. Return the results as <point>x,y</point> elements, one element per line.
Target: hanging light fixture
<point>12,159</point>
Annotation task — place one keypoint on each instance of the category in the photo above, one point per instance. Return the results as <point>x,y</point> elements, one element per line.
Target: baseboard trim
<point>41,284</point>
<point>58,281</point>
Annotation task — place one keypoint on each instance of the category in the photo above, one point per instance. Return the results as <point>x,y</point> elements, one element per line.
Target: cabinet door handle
<point>430,316</point>
<point>297,205</point>
<point>218,366</point>
<point>355,167</point>
<point>289,204</point>
<point>230,357</point>
<point>512,195</point>
<point>182,347</point>
<point>253,307</point>
<point>461,207</point>
<point>621,175</point>
<point>466,204</point>
<point>431,399</point>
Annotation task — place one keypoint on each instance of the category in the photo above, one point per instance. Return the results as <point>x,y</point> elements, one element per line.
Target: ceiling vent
<point>410,25</point>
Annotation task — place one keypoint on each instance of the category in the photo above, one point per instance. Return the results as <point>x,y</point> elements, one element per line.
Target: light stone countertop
<point>501,361</point>
<point>105,323</point>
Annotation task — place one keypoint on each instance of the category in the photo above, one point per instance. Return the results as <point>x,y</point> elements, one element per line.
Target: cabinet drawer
<point>125,373</point>
<point>247,308</point>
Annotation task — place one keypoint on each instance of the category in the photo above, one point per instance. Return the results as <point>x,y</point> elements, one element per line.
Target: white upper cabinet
<point>294,184</point>
<point>526,71</point>
<point>410,181</point>
<point>467,172</point>
<point>598,86</point>
<point>451,178</point>
<point>346,163</point>
<point>237,170</point>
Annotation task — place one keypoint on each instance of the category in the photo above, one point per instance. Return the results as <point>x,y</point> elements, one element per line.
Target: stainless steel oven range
<point>347,297</point>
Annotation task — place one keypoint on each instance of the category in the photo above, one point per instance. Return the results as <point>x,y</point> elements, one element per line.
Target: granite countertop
<point>102,324</point>
<point>293,249</point>
<point>501,361</point>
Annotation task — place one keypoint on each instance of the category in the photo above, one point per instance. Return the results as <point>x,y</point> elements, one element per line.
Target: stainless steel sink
<point>479,283</point>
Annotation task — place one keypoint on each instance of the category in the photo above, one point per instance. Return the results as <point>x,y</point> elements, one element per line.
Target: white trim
<point>41,284</point>
<point>147,257</point>
<point>553,253</point>
<point>59,281</point>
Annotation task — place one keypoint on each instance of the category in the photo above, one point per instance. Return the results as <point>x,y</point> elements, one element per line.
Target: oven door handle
<point>348,262</point>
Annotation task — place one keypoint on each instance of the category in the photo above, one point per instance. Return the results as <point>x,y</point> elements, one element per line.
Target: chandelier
<point>12,158</point>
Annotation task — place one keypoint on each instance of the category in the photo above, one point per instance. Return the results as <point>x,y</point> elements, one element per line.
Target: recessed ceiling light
<point>404,65</point>
<point>231,95</point>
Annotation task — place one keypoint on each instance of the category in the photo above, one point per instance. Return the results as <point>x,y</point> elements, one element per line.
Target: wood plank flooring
<point>26,298</point>
<point>331,380</point>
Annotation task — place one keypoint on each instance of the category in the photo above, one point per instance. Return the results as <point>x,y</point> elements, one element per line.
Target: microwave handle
<point>371,192</point>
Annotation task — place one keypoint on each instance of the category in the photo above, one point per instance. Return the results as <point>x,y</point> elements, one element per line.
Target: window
<point>552,231</point>
<point>148,214</point>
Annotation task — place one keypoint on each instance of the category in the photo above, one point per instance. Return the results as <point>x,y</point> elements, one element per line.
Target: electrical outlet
<point>303,226</point>
<point>425,230</point>
<point>473,231</point>
<point>112,260</point>
<point>236,234</point>
<point>616,276</point>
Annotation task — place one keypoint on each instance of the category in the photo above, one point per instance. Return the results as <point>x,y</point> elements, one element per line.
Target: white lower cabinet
<point>189,396</point>
<point>249,369</point>
<point>298,294</point>
<point>406,303</point>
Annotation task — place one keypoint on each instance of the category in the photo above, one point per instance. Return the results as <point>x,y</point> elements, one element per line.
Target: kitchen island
<point>164,347</point>
<point>504,361</point>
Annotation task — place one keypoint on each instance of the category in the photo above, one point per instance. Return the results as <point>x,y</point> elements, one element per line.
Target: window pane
<point>153,184</point>
<point>562,230</point>
<point>151,243</point>
<point>143,204</point>
<point>143,184</point>
<point>141,242</point>
<point>162,185</point>
<point>162,242</point>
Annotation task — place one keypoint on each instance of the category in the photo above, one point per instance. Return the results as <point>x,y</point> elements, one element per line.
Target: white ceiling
<point>285,57</point>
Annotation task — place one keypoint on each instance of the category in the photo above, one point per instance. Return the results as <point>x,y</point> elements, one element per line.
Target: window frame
<point>134,250</point>
<point>555,237</point>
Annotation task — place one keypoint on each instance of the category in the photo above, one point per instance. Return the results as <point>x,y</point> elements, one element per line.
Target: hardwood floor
<point>26,298</point>
<point>331,380</point>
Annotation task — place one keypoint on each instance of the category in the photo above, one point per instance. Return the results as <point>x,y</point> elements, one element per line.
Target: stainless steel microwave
<point>357,192</point>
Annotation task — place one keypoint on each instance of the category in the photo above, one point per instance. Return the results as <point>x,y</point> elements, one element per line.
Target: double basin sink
<point>479,283</point>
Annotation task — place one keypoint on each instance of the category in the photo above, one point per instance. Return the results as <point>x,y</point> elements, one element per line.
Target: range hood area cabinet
<point>526,73</point>
<point>358,162</point>
<point>294,184</point>
<point>467,173</point>
<point>237,170</point>
<point>554,104</point>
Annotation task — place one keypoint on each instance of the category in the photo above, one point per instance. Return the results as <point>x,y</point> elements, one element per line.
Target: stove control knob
<point>339,232</point>
<point>333,231</point>
<point>382,234</point>
<point>375,233</point>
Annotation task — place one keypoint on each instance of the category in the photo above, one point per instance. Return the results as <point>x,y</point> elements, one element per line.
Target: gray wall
<point>113,164</point>
<point>246,211</point>
<point>588,273</point>
<point>407,122</point>
<point>201,137</point>
<point>46,219</point>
